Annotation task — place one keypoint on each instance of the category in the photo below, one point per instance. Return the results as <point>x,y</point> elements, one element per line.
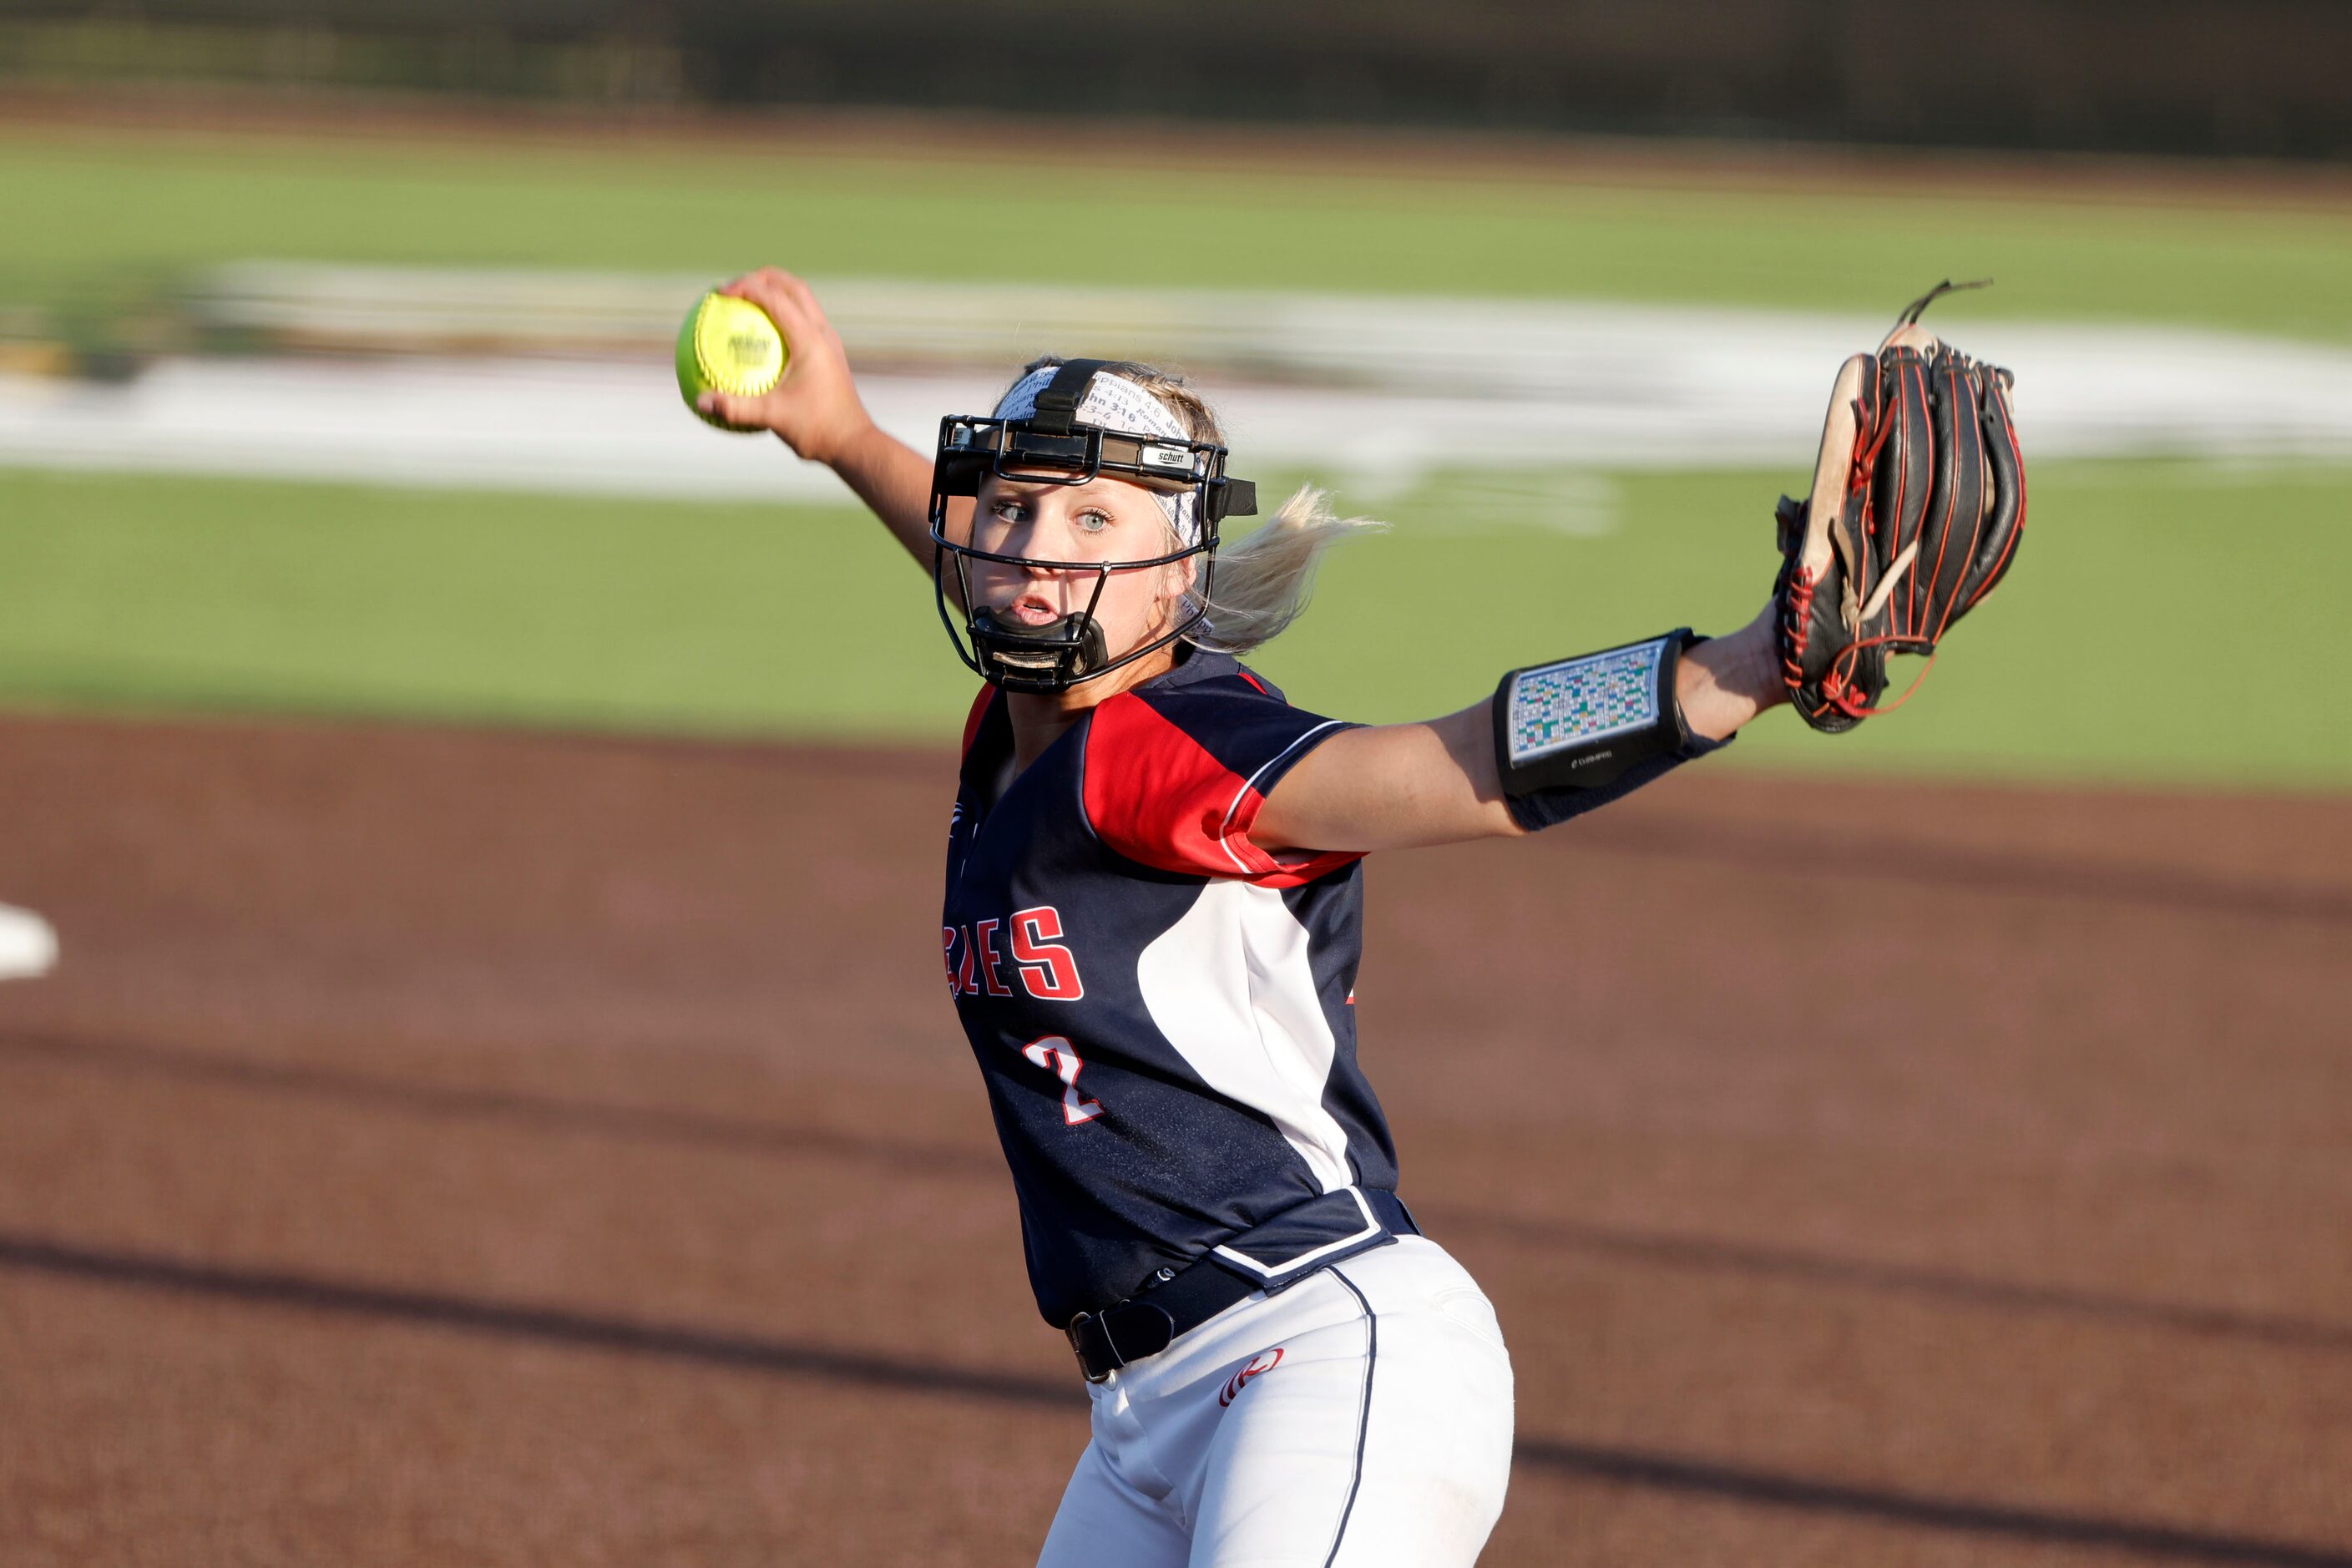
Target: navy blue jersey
<point>1163,1011</point>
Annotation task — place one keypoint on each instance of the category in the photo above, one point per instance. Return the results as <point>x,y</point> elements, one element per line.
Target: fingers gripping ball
<point>728,346</point>
<point>1918,504</point>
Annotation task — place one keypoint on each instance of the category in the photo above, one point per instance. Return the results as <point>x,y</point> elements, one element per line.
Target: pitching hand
<point>814,409</point>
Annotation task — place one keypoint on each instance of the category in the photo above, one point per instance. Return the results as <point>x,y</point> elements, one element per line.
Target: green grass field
<point>122,218</point>
<point>2125,647</point>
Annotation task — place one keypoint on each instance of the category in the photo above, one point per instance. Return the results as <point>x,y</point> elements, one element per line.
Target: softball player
<point>1151,928</point>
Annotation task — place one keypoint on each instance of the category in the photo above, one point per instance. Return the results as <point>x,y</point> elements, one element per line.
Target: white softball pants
<point>1360,1419</point>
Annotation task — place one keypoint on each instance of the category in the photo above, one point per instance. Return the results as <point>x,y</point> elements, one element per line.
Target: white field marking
<point>1573,502</point>
<point>29,944</point>
<point>1515,393</point>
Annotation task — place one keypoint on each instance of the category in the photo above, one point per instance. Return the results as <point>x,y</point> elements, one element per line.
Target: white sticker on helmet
<point>1115,403</point>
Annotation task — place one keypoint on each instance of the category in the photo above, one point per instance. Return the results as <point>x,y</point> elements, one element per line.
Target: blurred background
<point>472,1088</point>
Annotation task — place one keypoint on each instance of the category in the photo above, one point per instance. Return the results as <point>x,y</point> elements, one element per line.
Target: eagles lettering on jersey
<point>1159,1005</point>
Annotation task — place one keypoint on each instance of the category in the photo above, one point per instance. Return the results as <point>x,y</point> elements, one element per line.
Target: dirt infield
<point>473,1148</point>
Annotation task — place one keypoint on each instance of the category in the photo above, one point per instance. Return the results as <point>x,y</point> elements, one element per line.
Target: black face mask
<point>1052,448</point>
<point>1054,657</point>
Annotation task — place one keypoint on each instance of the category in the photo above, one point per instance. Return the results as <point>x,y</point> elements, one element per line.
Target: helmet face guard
<point>1051,447</point>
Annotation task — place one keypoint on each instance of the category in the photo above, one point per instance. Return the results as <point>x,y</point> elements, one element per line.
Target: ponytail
<point>1263,580</point>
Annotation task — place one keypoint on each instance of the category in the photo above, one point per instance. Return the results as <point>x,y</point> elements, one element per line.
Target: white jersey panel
<point>1232,988</point>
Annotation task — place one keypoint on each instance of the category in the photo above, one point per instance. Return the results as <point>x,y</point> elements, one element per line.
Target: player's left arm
<point>1439,781</point>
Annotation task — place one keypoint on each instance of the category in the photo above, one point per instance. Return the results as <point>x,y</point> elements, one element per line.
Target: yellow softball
<point>728,346</point>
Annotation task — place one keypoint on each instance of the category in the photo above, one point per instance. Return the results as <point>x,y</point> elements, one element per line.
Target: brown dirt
<point>473,1148</point>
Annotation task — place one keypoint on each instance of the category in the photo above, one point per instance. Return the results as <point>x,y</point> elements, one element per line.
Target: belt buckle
<point>1073,1333</point>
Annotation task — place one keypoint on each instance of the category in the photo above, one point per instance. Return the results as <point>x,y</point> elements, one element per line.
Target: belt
<point>1175,1301</point>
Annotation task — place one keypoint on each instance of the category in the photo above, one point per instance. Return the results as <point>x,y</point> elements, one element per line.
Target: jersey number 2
<point>1053,1054</point>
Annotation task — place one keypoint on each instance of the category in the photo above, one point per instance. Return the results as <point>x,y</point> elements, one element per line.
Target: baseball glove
<point>1918,502</point>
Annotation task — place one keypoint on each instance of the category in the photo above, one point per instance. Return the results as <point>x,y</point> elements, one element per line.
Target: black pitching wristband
<point>1564,731</point>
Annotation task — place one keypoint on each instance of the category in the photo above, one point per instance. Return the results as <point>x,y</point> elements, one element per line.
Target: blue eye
<point>1093,522</point>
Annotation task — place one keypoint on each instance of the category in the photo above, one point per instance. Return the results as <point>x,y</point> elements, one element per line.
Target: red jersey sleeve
<point>1176,784</point>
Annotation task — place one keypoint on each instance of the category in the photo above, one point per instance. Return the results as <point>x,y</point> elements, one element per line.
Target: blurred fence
<point>2261,77</point>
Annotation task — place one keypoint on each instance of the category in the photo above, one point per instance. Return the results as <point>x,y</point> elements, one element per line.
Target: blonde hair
<point>1260,583</point>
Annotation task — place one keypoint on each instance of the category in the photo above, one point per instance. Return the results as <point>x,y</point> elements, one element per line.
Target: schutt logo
<point>1258,1365</point>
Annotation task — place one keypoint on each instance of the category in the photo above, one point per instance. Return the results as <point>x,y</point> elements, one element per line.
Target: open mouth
<point>1029,610</point>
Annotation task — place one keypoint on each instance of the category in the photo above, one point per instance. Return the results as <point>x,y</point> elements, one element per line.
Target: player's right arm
<point>815,411</point>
